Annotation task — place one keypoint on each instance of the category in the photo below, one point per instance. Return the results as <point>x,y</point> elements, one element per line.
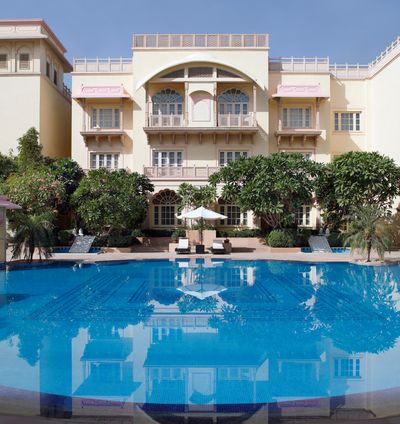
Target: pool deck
<point>393,257</point>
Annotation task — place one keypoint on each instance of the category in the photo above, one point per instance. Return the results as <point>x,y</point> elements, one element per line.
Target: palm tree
<point>32,232</point>
<point>369,230</point>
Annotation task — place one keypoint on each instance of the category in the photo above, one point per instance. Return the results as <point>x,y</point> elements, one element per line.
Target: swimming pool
<point>202,336</point>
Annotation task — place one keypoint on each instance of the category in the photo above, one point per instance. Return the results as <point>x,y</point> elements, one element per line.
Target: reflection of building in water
<point>201,370</point>
<point>108,371</point>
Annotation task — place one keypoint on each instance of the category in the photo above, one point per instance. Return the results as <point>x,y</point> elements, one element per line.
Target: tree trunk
<point>369,247</point>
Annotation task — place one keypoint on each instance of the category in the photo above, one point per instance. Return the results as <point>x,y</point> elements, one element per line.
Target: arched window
<point>233,101</point>
<point>165,207</point>
<point>167,102</point>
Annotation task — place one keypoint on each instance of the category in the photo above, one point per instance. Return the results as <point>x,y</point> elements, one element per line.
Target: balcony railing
<point>226,121</point>
<point>166,121</point>
<point>180,172</point>
<point>107,65</point>
<point>241,120</point>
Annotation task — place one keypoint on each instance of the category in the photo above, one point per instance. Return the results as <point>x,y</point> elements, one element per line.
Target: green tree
<point>32,232</point>
<point>271,186</point>
<point>369,230</point>
<point>194,197</point>
<point>8,165</point>
<point>29,150</point>
<point>36,190</point>
<point>356,179</point>
<point>112,200</point>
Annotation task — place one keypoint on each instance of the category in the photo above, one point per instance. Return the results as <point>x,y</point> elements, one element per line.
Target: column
<point>215,104</point>
<point>147,121</point>
<point>186,104</point>
<point>317,124</point>
<point>279,114</point>
<point>254,103</point>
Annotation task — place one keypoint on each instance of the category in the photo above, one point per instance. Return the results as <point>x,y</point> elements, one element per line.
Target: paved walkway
<point>393,257</point>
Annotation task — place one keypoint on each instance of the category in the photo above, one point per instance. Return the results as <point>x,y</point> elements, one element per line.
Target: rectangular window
<point>24,61</point>
<point>55,77</point>
<point>3,61</point>
<point>296,117</point>
<point>106,118</point>
<point>167,158</point>
<point>347,121</point>
<point>168,215</point>
<point>347,367</point>
<point>235,216</point>
<point>48,69</point>
<point>303,216</point>
<point>225,157</point>
<point>104,160</point>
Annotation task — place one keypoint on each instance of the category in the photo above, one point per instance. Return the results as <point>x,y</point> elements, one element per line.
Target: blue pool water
<point>200,336</point>
<point>334,250</point>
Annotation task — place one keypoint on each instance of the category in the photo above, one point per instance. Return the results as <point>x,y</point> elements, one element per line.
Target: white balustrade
<point>180,172</point>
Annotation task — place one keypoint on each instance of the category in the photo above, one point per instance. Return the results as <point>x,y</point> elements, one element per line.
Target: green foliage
<point>336,239</point>
<point>8,165</point>
<point>36,190</point>
<point>112,200</point>
<point>32,232</point>
<point>178,232</point>
<point>29,150</point>
<point>158,233</point>
<point>369,230</point>
<point>246,232</point>
<point>356,179</point>
<point>194,197</point>
<point>281,238</point>
<point>137,232</point>
<point>65,237</point>
<point>119,240</point>
<point>271,186</point>
<point>68,172</point>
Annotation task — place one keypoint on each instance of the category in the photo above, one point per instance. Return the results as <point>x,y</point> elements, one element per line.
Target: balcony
<point>180,172</point>
<point>223,124</point>
<point>102,134</point>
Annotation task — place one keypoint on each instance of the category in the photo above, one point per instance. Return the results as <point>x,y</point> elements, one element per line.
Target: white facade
<point>185,105</point>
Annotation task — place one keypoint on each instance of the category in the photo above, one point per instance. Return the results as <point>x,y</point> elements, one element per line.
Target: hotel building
<point>187,104</point>
<point>33,94</point>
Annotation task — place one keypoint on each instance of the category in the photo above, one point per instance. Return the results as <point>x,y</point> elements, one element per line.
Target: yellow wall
<point>55,121</point>
<point>19,108</point>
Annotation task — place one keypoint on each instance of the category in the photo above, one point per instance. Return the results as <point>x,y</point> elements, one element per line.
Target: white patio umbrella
<point>201,213</point>
<point>202,291</point>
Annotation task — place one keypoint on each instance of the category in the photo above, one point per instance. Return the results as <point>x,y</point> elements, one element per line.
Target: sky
<point>345,30</point>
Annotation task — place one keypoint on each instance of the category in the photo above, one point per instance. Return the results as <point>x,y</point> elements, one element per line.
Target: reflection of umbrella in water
<point>202,291</point>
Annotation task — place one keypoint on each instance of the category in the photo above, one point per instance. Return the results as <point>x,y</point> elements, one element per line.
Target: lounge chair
<point>183,246</point>
<point>218,246</point>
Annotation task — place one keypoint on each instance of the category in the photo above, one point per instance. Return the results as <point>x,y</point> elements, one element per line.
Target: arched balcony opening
<point>167,108</point>
<point>165,206</point>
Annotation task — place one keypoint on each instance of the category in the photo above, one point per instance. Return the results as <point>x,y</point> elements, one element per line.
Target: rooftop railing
<point>318,65</point>
<point>206,41</point>
<point>103,65</point>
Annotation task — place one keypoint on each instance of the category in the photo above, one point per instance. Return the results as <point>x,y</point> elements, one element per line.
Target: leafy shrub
<point>119,240</point>
<point>65,237</point>
<point>247,232</point>
<point>100,241</point>
<point>336,239</point>
<point>158,233</point>
<point>281,238</point>
<point>137,232</point>
<point>178,232</point>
